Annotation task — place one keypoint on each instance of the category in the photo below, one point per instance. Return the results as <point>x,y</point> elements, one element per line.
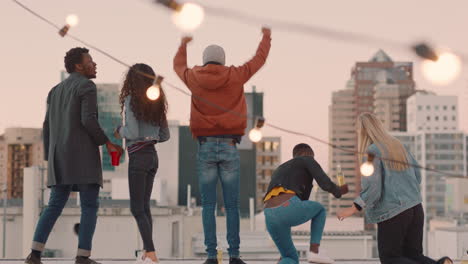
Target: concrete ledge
<point>189,261</point>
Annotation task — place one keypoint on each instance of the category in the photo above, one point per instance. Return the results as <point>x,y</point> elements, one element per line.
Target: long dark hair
<point>135,85</point>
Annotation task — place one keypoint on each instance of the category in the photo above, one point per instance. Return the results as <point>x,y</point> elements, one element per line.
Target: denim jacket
<point>387,193</point>
<point>139,131</point>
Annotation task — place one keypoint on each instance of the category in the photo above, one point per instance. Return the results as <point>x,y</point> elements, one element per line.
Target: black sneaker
<point>83,260</point>
<point>31,259</point>
<point>211,261</point>
<point>236,261</point>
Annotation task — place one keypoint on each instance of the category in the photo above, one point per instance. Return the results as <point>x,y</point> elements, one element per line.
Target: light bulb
<point>255,135</point>
<point>444,70</point>
<point>72,20</point>
<point>189,17</point>
<point>367,169</point>
<point>153,92</point>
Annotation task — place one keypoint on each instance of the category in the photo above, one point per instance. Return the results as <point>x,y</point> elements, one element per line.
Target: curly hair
<point>74,56</point>
<point>135,85</point>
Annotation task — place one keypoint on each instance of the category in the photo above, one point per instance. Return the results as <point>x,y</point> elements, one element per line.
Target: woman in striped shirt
<point>145,126</point>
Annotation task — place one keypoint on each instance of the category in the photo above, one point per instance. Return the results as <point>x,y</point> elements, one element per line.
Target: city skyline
<point>329,62</point>
<point>329,73</point>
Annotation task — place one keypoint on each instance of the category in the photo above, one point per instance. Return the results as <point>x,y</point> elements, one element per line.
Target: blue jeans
<point>293,212</point>
<point>89,200</point>
<point>219,160</point>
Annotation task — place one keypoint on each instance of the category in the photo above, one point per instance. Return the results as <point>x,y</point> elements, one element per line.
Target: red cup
<point>115,158</point>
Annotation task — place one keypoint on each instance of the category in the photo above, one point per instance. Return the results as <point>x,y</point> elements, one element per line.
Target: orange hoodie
<point>222,109</point>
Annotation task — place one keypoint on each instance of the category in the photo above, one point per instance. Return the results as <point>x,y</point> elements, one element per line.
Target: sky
<point>298,79</point>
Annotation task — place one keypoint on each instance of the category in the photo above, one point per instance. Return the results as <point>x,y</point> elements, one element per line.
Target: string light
<point>438,68</point>
<point>154,91</point>
<point>255,134</point>
<point>367,168</point>
<point>425,51</point>
<point>337,34</point>
<point>186,16</point>
<point>71,21</point>
<point>444,70</point>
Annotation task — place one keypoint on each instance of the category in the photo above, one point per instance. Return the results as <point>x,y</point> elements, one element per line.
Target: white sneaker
<point>319,258</point>
<point>139,260</point>
<point>149,261</point>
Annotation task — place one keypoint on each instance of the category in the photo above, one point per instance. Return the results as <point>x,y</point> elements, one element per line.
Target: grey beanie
<point>214,53</point>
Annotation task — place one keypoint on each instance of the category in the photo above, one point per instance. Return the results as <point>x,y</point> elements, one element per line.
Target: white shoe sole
<point>321,262</point>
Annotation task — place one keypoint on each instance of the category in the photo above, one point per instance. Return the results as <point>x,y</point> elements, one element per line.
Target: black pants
<point>400,238</point>
<point>142,169</point>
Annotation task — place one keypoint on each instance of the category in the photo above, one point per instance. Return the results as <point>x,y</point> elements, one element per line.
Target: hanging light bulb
<point>444,70</point>
<point>71,20</point>
<point>255,134</point>
<point>154,91</point>
<point>189,17</point>
<point>186,16</point>
<point>440,68</point>
<point>367,168</point>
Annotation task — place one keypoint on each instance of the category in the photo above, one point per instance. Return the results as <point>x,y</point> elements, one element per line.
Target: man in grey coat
<point>72,136</point>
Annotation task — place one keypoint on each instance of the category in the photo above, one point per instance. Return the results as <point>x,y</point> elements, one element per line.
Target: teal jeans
<point>293,212</point>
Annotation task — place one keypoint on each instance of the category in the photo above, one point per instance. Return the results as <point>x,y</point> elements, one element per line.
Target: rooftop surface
<point>187,261</point>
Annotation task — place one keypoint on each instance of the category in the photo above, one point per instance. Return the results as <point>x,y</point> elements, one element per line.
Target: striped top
<point>139,145</point>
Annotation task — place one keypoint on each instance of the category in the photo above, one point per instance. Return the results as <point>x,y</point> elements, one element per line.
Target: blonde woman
<point>391,196</point>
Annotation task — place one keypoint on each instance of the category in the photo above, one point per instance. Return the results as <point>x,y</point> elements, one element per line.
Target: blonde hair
<point>371,130</point>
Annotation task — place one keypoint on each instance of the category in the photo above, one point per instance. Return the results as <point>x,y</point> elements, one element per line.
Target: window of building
<point>260,159</point>
<point>267,146</point>
<point>445,118</point>
<point>454,107</point>
<point>454,118</point>
<point>428,118</point>
<point>275,146</point>
<point>428,107</point>
<point>274,160</point>
<point>436,107</point>
<point>437,118</point>
<point>445,107</point>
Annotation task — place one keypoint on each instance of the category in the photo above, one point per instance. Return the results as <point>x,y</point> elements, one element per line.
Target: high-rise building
<point>430,112</point>
<point>380,86</point>
<point>436,143</point>
<point>109,118</point>
<point>268,159</point>
<point>442,151</point>
<point>19,148</point>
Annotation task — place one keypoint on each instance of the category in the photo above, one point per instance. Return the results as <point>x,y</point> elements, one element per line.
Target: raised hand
<point>186,39</point>
<point>266,31</point>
